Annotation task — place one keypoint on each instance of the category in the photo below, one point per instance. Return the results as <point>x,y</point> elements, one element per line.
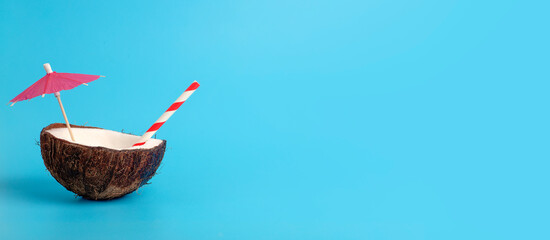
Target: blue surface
<point>314,120</point>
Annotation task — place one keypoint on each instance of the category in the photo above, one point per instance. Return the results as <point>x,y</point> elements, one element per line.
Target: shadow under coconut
<point>35,188</point>
<point>45,188</point>
<point>82,200</point>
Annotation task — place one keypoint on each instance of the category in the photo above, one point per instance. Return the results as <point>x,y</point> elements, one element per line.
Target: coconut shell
<point>98,173</point>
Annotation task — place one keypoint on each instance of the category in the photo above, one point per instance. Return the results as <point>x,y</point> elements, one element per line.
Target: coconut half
<point>100,164</point>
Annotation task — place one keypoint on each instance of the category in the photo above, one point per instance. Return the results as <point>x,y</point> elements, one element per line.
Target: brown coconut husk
<point>98,173</point>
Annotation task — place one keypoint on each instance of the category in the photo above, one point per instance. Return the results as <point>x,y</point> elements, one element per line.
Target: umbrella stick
<point>57,95</point>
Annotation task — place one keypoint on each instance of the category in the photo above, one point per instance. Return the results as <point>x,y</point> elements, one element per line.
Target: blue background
<point>314,120</point>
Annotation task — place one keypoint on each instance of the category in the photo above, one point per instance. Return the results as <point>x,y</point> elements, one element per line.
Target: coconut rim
<point>61,125</point>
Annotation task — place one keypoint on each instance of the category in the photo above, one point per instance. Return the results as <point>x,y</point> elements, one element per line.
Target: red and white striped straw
<point>167,114</point>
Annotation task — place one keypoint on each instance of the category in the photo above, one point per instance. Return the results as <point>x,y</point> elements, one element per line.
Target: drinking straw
<point>167,114</point>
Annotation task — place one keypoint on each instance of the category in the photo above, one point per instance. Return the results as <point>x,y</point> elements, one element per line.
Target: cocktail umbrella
<point>55,82</point>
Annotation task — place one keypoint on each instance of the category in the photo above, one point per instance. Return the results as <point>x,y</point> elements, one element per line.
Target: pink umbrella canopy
<point>55,82</point>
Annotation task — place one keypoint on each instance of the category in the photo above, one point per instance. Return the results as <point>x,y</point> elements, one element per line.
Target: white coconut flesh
<point>95,137</point>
